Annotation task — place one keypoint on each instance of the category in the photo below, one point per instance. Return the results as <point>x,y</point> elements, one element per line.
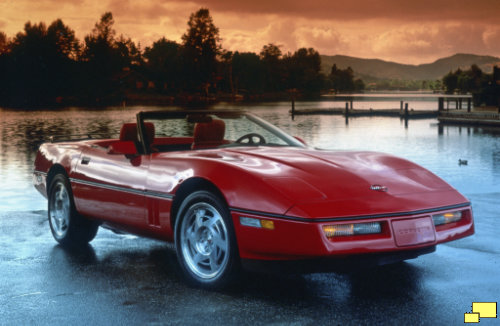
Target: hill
<point>375,69</point>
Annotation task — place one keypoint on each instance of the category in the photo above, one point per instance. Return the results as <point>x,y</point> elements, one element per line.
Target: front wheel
<point>205,241</point>
<point>67,226</point>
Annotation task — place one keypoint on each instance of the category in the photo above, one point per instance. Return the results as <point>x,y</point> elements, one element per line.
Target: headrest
<point>209,131</point>
<point>129,132</point>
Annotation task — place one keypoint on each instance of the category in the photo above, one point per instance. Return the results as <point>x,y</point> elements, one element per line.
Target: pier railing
<point>457,100</point>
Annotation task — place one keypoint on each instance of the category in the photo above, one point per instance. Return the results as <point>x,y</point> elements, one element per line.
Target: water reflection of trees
<point>22,133</point>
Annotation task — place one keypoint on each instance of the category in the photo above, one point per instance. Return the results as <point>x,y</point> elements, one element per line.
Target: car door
<point>111,186</point>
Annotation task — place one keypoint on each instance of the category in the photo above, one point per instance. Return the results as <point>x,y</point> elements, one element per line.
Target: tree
<point>4,42</point>
<point>128,52</point>
<point>63,39</point>
<point>163,63</point>
<point>359,85</point>
<point>271,57</point>
<point>200,47</point>
<point>271,53</point>
<point>103,60</point>
<point>103,31</point>
<point>248,72</point>
<point>468,81</point>
<point>303,71</point>
<point>450,81</point>
<point>41,62</point>
<point>4,76</point>
<point>64,51</point>
<point>100,44</point>
<point>483,87</point>
<point>342,80</point>
<point>487,87</point>
<point>496,85</point>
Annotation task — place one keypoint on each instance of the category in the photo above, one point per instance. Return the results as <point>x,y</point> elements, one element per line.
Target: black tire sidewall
<point>80,230</point>
<point>232,267</point>
<point>60,179</point>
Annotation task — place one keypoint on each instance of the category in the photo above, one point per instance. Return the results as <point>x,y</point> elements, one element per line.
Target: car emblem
<point>379,188</point>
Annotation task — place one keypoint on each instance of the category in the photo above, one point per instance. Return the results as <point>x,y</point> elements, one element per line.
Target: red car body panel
<point>299,189</point>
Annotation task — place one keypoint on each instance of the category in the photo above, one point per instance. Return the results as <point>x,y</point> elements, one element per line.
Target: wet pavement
<point>126,280</point>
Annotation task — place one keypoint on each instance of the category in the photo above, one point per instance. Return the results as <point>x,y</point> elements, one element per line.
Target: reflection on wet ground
<point>129,280</point>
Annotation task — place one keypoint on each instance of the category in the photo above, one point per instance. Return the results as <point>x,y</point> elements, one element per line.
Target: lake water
<point>437,148</point>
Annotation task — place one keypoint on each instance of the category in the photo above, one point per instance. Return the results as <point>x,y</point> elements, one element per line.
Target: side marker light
<point>257,223</point>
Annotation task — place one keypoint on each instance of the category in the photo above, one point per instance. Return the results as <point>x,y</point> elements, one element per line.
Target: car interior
<point>206,134</point>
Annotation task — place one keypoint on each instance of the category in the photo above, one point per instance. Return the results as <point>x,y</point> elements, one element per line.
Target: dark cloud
<point>416,31</point>
<point>423,10</point>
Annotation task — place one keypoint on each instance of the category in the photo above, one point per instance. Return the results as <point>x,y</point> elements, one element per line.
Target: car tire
<point>68,227</point>
<point>205,241</point>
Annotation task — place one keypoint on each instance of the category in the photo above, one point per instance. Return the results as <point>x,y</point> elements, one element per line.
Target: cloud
<point>426,43</point>
<point>252,37</point>
<point>325,39</point>
<point>404,31</point>
<point>140,10</point>
<point>362,9</point>
<point>289,34</point>
<point>491,38</point>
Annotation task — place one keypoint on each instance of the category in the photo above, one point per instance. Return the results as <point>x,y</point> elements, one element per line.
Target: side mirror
<point>300,140</point>
<point>123,148</point>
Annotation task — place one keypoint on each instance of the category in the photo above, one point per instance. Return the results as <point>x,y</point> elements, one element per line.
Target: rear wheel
<point>205,242</point>
<point>67,226</point>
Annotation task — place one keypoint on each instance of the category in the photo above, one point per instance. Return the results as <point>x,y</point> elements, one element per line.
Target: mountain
<point>375,69</point>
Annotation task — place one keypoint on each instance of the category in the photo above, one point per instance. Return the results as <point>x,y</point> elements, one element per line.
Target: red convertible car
<point>232,191</point>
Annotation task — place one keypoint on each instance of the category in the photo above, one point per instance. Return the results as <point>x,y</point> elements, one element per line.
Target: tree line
<point>484,87</point>
<point>47,65</point>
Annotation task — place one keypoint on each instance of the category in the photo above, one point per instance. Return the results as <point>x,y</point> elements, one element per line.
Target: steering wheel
<point>250,139</point>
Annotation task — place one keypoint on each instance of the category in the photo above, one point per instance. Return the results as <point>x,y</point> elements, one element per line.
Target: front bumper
<point>40,182</point>
<point>301,239</point>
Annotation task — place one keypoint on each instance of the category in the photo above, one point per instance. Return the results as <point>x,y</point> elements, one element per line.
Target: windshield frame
<point>179,114</point>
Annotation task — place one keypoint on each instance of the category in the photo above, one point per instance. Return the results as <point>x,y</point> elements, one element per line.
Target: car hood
<point>342,183</point>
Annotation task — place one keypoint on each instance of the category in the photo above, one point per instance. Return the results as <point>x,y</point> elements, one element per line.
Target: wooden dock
<point>460,111</point>
<point>414,114</point>
<point>481,117</point>
<point>349,111</point>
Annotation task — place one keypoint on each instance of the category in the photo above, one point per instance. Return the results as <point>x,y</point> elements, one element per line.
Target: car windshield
<point>214,129</point>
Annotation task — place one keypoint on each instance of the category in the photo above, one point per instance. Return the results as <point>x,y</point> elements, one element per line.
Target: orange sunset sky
<point>410,32</point>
